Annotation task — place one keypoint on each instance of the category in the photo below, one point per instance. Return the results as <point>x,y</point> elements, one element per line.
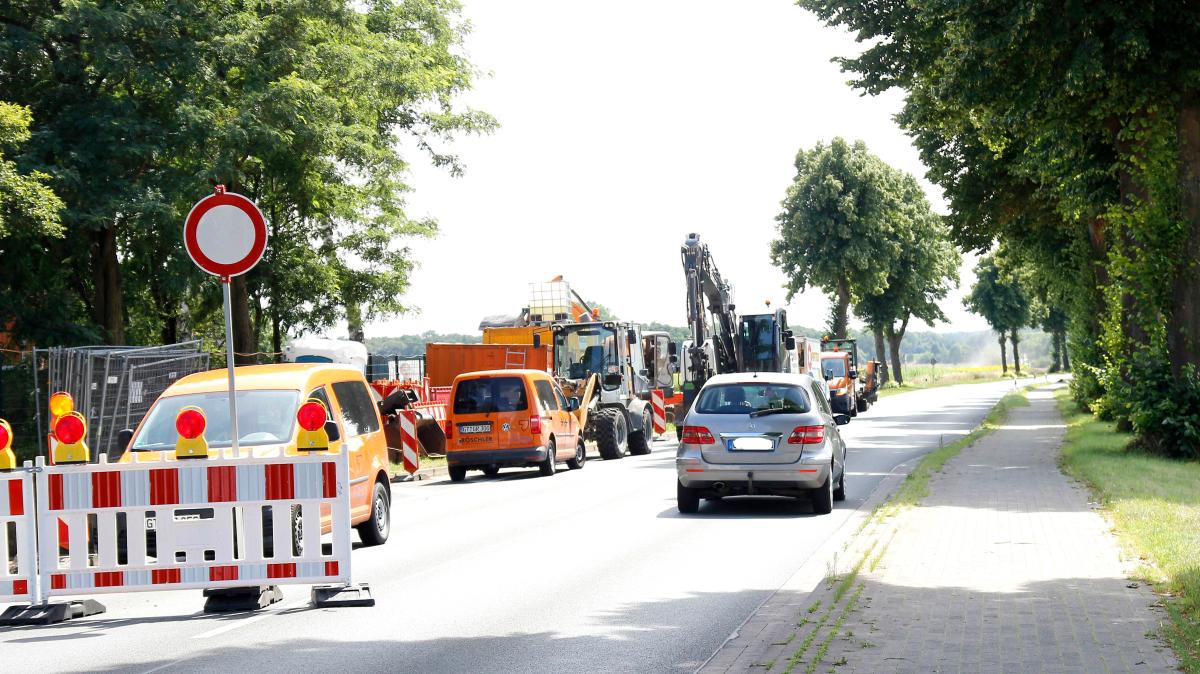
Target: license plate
<point>469,429</point>
<point>751,444</point>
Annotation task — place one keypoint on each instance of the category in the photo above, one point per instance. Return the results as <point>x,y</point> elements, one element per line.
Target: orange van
<point>510,419</point>
<point>268,397</point>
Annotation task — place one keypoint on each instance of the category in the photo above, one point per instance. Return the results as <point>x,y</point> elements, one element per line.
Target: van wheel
<point>377,527</point>
<point>548,466</point>
<point>687,499</point>
<point>612,435</point>
<point>458,473</point>
<point>491,471</point>
<point>639,441</point>
<point>580,456</point>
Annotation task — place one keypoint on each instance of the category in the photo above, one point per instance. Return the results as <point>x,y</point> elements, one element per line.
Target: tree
<point>997,296</point>
<point>921,276</point>
<point>837,229</point>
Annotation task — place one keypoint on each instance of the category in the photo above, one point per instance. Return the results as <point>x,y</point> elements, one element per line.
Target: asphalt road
<point>588,571</point>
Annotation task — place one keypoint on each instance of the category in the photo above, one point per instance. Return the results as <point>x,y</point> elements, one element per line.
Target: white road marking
<point>267,613</point>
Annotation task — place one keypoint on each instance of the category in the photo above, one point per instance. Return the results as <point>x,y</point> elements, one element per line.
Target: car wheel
<point>580,456</point>
<point>639,442</point>
<point>491,471</point>
<point>377,527</point>
<point>612,435</point>
<point>839,492</point>
<point>458,473</point>
<point>688,499</point>
<point>548,466</point>
<point>822,498</point>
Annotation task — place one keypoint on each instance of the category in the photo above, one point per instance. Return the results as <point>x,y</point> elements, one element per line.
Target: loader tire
<point>612,434</point>
<point>639,441</point>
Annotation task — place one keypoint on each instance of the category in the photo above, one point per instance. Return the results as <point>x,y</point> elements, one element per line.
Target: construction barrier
<point>18,537</point>
<point>659,411</point>
<point>435,411</point>
<point>408,441</point>
<point>173,525</point>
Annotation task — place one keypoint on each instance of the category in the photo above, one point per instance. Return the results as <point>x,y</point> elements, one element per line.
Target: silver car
<point>761,433</point>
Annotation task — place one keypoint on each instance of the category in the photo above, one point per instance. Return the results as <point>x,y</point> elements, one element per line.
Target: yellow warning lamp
<point>8,460</point>
<point>61,404</point>
<point>190,424</point>
<point>311,417</point>
<point>70,430</point>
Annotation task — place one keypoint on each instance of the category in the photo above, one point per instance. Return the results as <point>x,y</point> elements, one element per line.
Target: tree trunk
<point>243,335</point>
<point>881,356</point>
<point>1055,352</point>
<point>1183,325</point>
<point>1016,340</point>
<point>1003,354</point>
<point>1066,360</point>
<point>840,319</point>
<point>354,322</point>
<point>894,338</point>
<point>109,304</point>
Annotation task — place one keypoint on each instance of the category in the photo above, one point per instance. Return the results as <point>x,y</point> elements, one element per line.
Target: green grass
<point>426,462</point>
<point>931,376</point>
<point>1154,504</point>
<point>916,486</point>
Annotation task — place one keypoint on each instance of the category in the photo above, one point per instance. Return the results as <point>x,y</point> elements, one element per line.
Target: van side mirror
<point>790,343</point>
<point>124,437</point>
<point>841,419</point>
<point>331,429</point>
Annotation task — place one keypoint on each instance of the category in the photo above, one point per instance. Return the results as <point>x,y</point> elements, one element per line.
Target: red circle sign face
<point>225,234</point>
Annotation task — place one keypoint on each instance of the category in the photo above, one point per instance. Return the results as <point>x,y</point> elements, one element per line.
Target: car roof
<point>760,378</point>
<point>261,377</point>
<point>504,373</point>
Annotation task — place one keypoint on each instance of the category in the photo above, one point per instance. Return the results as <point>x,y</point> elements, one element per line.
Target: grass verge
<point>426,462</point>
<point>1154,504</point>
<point>917,377</point>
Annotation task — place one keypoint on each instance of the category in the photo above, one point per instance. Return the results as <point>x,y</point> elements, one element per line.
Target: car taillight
<point>535,425</point>
<point>697,435</point>
<point>807,435</point>
<point>449,431</point>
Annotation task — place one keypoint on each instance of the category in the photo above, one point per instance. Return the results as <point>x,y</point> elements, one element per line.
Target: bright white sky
<point>624,126</point>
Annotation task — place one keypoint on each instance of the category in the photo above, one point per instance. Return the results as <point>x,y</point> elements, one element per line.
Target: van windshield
<point>264,418</point>
<point>490,394</point>
<point>833,369</point>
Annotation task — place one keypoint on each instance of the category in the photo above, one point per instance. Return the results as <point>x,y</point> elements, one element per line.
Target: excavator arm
<point>708,293</point>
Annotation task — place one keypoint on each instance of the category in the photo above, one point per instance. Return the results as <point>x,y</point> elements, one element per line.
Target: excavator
<point>727,343</point>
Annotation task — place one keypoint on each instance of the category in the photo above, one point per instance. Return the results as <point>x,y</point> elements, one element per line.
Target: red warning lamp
<point>5,436</point>
<point>311,416</point>
<point>69,429</point>
<point>190,423</point>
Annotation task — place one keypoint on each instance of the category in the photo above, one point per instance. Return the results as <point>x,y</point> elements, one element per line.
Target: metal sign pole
<point>233,425</point>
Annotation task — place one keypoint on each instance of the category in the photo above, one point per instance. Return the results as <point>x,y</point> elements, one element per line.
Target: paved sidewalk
<point>1003,568</point>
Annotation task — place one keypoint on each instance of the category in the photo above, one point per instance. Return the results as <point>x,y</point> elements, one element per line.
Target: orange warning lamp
<point>8,460</point>
<point>70,430</point>
<point>311,417</point>
<point>190,424</point>
<point>61,404</point>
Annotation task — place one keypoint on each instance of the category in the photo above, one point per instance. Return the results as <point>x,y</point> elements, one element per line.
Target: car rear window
<point>747,398</point>
<point>490,394</point>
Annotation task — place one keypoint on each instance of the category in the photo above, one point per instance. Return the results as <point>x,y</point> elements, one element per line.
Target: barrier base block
<point>50,614</point>
<point>228,600</point>
<point>342,596</point>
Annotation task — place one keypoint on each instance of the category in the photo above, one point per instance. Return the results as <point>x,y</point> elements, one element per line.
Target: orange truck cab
<point>268,398</point>
<point>511,419</point>
<point>841,377</point>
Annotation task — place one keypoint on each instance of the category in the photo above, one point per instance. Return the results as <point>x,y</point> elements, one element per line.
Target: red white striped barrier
<point>18,583</point>
<point>659,411</point>
<point>408,441</point>
<point>200,523</point>
<point>437,411</point>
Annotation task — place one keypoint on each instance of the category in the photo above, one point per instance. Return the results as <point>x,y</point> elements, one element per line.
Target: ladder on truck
<point>514,360</point>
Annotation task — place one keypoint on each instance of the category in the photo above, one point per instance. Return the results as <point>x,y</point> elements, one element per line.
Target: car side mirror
<point>331,429</point>
<point>841,419</point>
<point>124,437</point>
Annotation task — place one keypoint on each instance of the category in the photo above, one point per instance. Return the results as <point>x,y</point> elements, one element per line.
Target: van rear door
<point>491,412</point>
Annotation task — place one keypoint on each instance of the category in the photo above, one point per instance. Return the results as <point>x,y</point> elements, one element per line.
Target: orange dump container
<point>444,362</point>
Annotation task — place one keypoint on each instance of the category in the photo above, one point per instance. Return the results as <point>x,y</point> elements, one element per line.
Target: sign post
<point>225,235</point>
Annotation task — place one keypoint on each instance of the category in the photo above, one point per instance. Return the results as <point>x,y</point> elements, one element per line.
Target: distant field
<point>928,376</point>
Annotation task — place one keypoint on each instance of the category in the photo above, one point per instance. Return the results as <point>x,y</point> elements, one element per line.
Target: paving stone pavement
<point>1004,567</point>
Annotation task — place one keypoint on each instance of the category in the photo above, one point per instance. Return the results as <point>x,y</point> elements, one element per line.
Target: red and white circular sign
<point>225,234</point>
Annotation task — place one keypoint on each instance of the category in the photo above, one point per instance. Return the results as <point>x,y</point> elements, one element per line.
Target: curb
<point>420,475</point>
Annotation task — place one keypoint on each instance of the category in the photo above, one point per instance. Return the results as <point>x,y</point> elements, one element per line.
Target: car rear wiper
<point>771,410</point>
